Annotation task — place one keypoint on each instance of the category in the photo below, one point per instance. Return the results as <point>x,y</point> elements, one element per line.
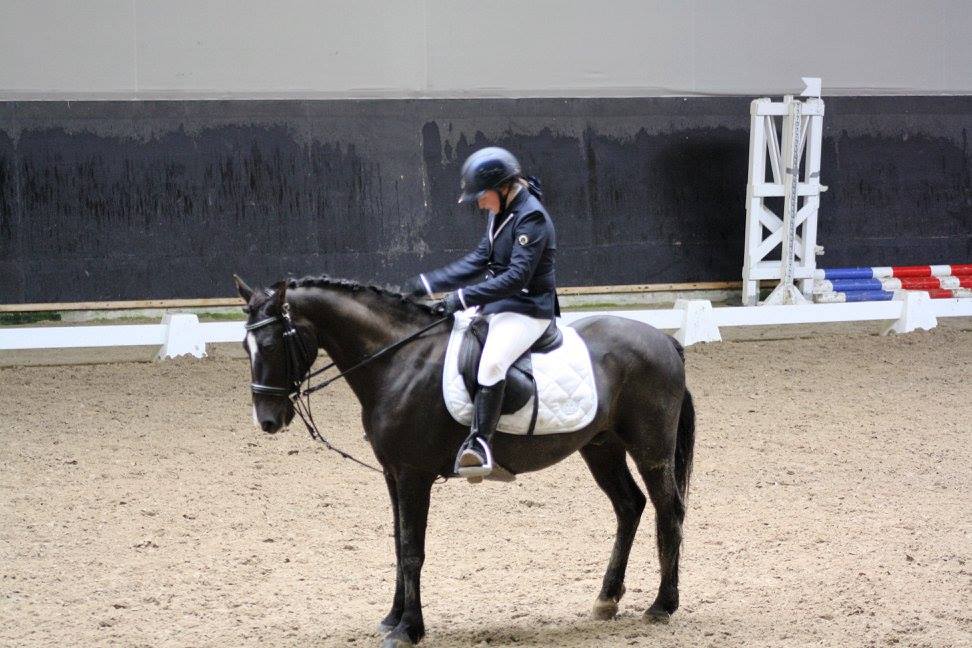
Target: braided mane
<point>390,293</point>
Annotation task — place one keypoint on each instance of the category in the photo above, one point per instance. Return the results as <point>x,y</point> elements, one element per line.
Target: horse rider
<point>509,277</point>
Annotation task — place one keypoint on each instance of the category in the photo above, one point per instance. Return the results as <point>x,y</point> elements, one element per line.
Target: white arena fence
<point>691,320</point>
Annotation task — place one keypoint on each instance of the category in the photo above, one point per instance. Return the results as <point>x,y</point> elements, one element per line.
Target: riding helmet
<point>485,169</point>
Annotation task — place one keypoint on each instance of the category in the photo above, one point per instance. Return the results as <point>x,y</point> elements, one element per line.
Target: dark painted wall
<point>128,200</point>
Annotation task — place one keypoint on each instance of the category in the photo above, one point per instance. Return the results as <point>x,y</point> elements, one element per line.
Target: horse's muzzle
<point>274,417</point>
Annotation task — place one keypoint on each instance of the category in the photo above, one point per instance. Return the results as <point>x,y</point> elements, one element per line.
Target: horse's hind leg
<point>610,469</point>
<point>669,514</point>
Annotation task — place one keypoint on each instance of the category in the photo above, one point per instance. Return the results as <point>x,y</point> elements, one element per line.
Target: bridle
<point>299,374</point>
<point>296,355</point>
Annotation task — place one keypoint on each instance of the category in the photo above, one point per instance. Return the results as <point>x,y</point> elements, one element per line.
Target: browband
<point>263,322</point>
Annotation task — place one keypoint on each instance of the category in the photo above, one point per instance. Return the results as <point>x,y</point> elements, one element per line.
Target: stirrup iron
<point>475,458</point>
<point>475,448</point>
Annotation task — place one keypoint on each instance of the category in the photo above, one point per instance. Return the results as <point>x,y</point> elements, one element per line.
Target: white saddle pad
<point>565,383</point>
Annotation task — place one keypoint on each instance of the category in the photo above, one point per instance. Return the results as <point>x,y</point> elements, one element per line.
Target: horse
<point>645,410</point>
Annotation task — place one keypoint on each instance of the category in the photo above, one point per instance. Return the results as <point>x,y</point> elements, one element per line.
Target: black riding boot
<point>475,459</point>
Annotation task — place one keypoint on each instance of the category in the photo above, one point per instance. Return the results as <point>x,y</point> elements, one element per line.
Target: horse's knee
<point>412,564</point>
<point>629,511</point>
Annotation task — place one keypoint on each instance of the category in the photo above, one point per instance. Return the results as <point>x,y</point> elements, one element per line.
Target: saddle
<point>520,383</point>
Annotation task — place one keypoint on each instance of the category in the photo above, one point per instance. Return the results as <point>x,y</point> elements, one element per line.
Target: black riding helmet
<point>486,169</point>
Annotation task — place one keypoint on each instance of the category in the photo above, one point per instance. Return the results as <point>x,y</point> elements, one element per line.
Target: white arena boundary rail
<point>692,321</point>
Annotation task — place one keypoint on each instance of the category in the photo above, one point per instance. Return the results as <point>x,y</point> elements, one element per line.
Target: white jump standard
<point>796,230</point>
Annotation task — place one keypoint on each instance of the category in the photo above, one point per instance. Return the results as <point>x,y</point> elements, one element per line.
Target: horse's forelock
<point>258,300</point>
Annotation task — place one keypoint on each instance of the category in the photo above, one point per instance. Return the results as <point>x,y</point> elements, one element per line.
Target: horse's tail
<point>685,445</point>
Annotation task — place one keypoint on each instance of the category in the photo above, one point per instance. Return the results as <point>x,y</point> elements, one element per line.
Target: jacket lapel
<point>494,234</point>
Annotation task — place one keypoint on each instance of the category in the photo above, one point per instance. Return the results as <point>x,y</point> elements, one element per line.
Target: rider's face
<point>489,201</point>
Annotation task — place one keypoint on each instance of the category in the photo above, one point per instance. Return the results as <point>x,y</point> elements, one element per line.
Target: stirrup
<point>475,449</point>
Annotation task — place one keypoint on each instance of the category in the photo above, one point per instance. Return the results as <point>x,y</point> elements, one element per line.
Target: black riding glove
<point>414,288</point>
<point>448,305</point>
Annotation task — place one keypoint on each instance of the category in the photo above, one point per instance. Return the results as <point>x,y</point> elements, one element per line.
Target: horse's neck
<point>351,326</point>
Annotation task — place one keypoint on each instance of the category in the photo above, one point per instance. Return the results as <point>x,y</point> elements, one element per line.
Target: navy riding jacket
<point>513,263</point>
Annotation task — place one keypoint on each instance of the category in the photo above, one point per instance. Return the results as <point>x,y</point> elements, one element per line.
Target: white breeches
<point>510,334</point>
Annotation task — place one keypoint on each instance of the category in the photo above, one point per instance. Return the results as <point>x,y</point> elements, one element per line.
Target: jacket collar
<point>508,214</point>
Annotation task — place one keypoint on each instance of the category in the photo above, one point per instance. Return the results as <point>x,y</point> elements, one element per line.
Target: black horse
<point>644,410</point>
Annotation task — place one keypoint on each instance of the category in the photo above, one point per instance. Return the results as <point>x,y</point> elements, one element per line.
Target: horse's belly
<point>519,454</point>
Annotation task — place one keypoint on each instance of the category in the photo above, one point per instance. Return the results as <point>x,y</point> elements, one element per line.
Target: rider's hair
<point>530,183</point>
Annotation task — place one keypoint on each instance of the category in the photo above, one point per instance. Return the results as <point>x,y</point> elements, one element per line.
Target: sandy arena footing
<point>831,505</point>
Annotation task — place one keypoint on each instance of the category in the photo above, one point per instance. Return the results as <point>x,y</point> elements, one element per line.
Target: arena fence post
<point>698,322</point>
<point>916,312</point>
<point>183,336</point>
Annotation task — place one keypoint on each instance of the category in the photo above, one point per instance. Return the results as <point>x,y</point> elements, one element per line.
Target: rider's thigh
<point>510,334</point>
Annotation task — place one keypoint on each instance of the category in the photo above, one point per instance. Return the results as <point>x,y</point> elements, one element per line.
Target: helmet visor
<point>470,196</point>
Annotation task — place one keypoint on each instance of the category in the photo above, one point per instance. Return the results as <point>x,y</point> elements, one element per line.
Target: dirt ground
<point>831,505</point>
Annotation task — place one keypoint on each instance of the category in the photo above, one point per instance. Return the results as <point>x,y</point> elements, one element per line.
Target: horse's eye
<point>270,345</point>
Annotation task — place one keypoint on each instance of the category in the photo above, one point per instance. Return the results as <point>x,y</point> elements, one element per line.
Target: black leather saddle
<point>520,384</point>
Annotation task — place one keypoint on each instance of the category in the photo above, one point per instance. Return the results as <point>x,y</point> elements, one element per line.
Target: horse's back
<point>621,335</point>
<point>644,363</point>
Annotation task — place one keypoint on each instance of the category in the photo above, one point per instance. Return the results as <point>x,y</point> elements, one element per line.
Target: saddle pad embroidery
<point>565,382</point>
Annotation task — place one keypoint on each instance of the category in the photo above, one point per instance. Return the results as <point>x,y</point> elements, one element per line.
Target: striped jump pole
<point>897,272</point>
<point>881,283</point>
<point>884,295</point>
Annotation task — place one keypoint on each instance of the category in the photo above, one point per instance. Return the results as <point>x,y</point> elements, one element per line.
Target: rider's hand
<point>414,288</point>
<point>448,305</point>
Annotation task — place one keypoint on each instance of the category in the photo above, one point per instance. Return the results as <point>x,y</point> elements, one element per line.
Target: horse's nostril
<point>267,426</point>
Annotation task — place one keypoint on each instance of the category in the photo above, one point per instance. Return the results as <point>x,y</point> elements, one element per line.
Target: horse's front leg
<point>392,619</point>
<point>413,492</point>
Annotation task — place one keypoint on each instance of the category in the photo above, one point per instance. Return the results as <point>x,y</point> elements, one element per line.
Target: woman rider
<point>510,276</point>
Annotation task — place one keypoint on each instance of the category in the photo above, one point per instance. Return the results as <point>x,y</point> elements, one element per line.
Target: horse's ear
<point>279,294</point>
<point>245,291</point>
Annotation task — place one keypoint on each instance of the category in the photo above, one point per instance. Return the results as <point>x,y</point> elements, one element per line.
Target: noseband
<point>297,357</point>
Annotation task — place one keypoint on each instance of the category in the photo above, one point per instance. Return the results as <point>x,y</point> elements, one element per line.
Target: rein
<point>297,356</point>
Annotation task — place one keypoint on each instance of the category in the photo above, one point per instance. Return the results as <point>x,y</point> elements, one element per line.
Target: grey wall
<point>354,173</point>
<point>460,48</point>
<point>165,199</point>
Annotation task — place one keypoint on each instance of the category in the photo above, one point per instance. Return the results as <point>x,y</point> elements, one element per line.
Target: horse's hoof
<point>657,614</point>
<point>607,609</point>
<point>604,609</point>
<point>385,628</point>
<point>399,641</point>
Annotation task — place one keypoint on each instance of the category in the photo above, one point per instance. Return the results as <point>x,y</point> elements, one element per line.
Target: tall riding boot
<point>475,459</point>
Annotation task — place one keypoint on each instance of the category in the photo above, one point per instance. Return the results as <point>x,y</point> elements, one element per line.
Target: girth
<point>520,383</point>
